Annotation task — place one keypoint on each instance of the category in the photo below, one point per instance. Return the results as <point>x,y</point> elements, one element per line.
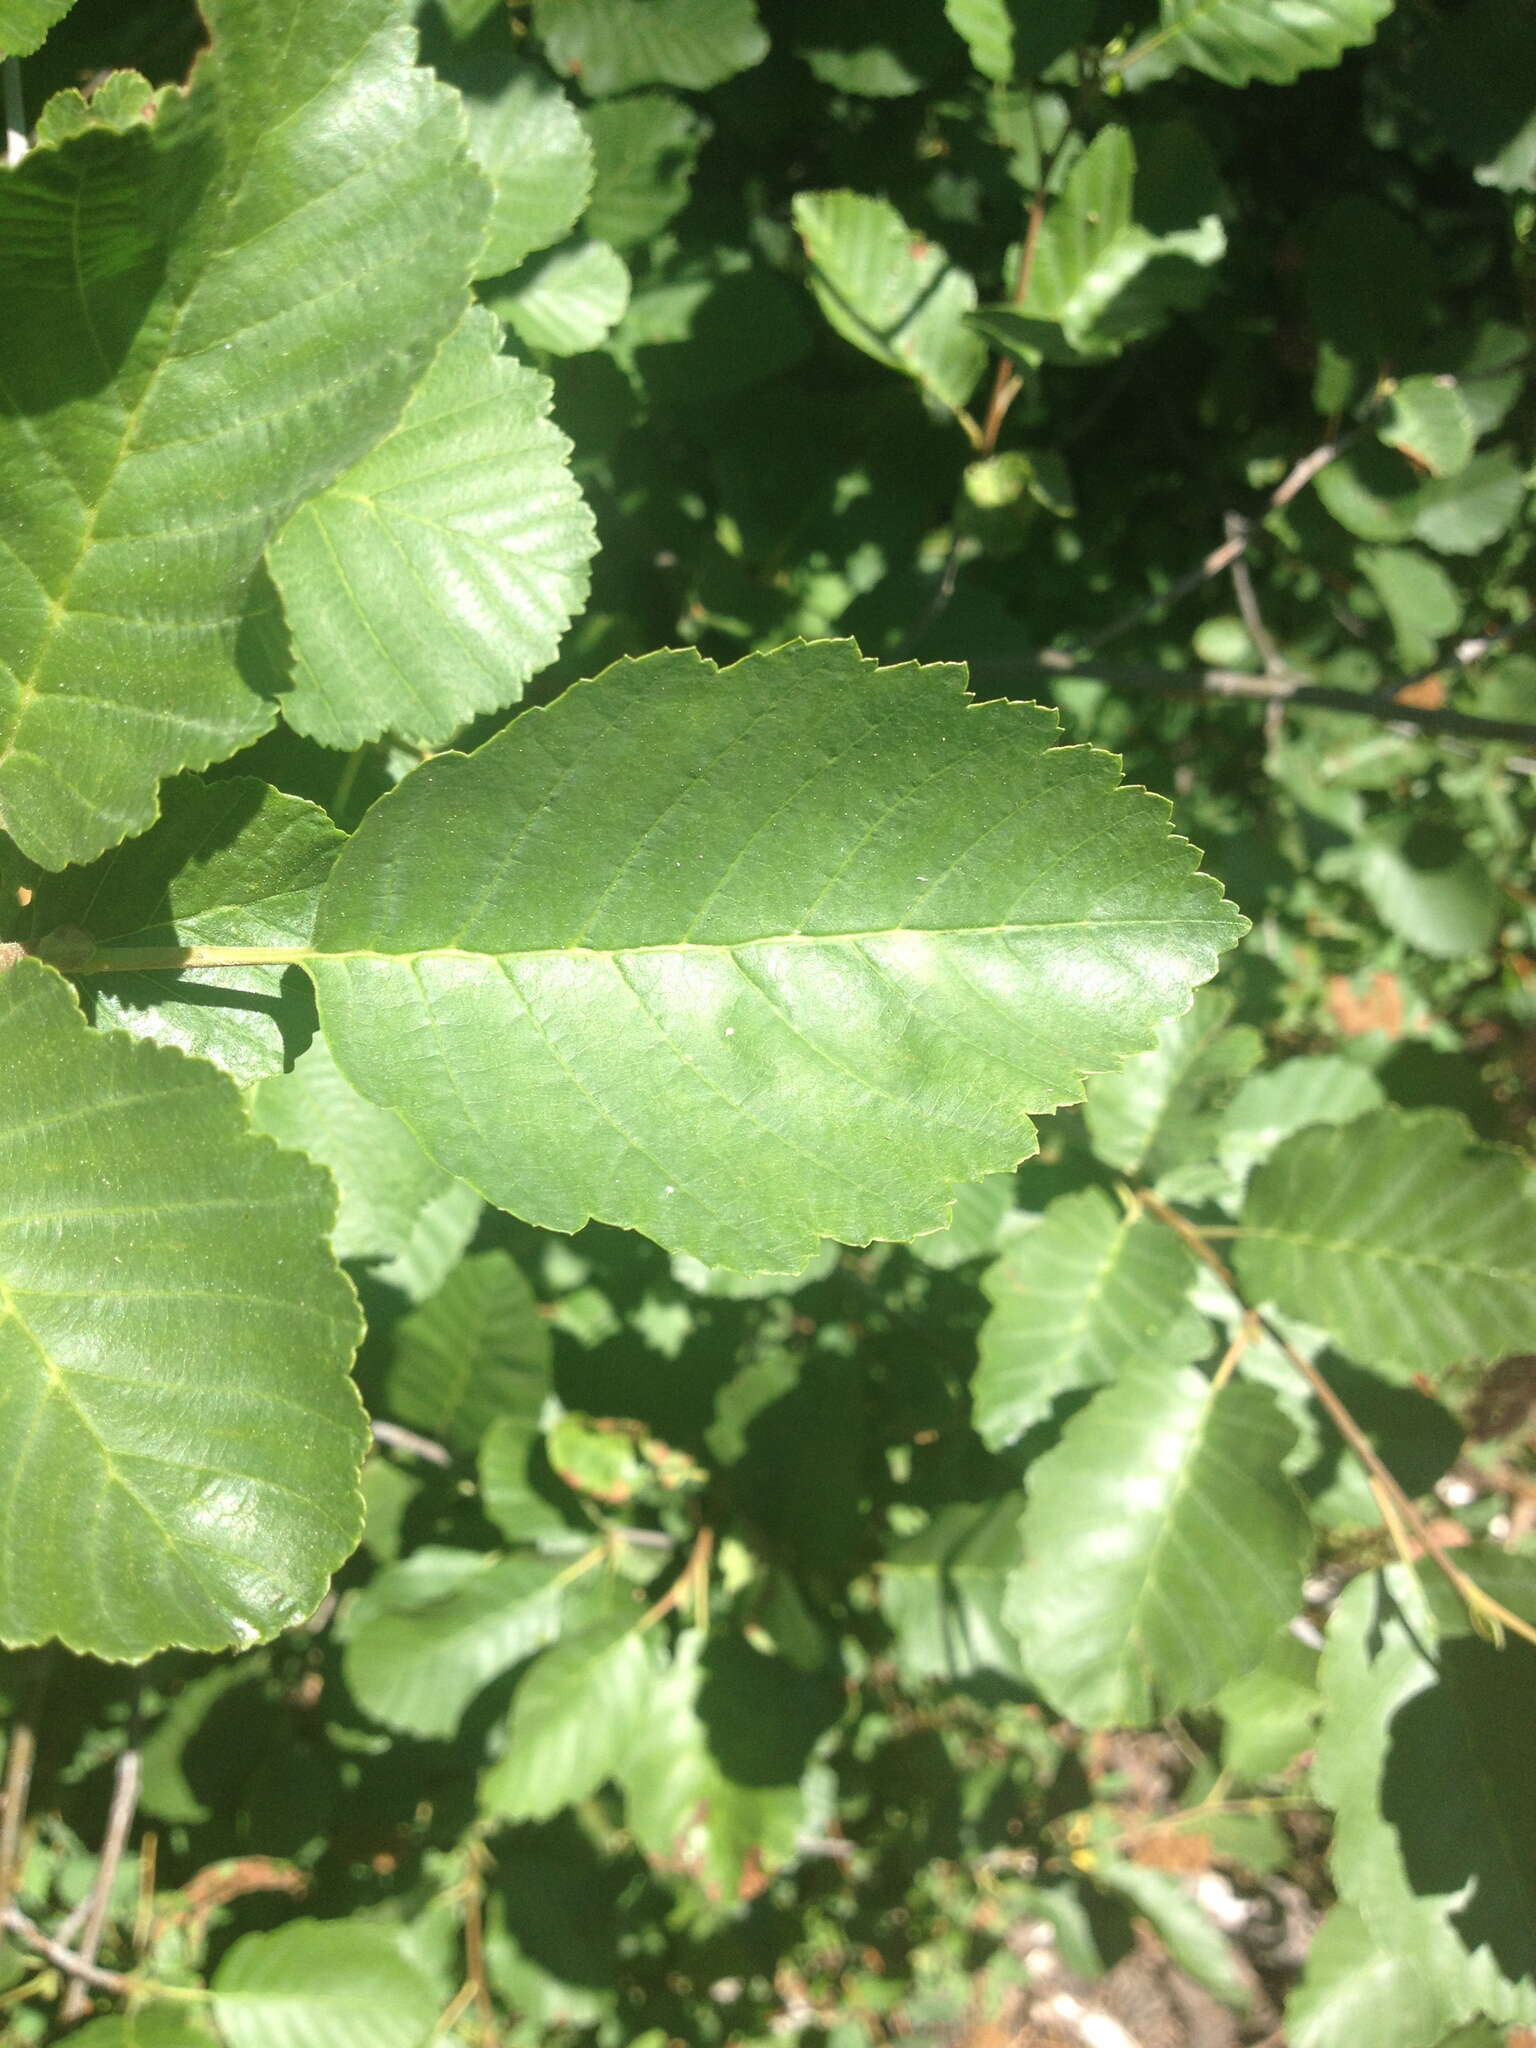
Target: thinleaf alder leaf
<point>181,1462</point>
<point>209,316</point>
<point>750,958</point>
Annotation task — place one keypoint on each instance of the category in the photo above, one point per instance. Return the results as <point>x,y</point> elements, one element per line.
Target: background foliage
<point>1106,1588</point>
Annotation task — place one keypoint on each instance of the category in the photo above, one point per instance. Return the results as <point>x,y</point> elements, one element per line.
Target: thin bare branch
<point>125,1802</point>
<point>396,1438</point>
<point>73,1966</point>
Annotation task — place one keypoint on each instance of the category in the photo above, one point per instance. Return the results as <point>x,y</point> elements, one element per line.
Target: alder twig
<point>20,1757</point>
<point>396,1438</point>
<point>125,1802</point>
<point>66,1961</point>
<point>1487,1614</point>
<point>1248,605</point>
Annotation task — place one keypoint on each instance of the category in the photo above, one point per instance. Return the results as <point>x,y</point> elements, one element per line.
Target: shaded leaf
<point>1163,1109</point>
<point>1418,597</point>
<point>1237,41</point>
<point>223,261</point>
<point>566,302</point>
<point>891,292</point>
<point>1092,1289</point>
<point>737,1024</point>
<point>439,573</point>
<point>478,1349</point>
<point>1183,1926</point>
<point>1268,1107</point>
<point>1401,1235</point>
<point>1426,883</point>
<point>517,1486</point>
<point>230,863</point>
<point>1018,38</point>
<point>942,1590</point>
<point>1429,420</point>
<point>1463,514</point>
<point>644,148</point>
<point>1163,1547</point>
<point>182,1463</point>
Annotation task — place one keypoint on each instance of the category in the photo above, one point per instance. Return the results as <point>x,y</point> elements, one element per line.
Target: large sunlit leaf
<point>438,574</point>
<point>1093,1288</point>
<point>197,339</point>
<point>230,863</point>
<point>891,292</point>
<point>1237,41</point>
<point>1163,1546</point>
<point>1423,1755</point>
<point>774,954</point>
<point>322,1984</point>
<point>1409,1241</point>
<point>182,1439</point>
<point>611,45</point>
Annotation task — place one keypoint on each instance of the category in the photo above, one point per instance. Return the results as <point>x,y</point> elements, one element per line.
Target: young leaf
<point>1421,1754</point>
<point>891,292</point>
<point>399,1209</point>
<point>230,863</point>
<point>438,574</point>
<point>431,1632</point>
<point>319,1983</point>
<point>478,1349</point>
<point>942,1590</point>
<point>1163,1546</point>
<point>1401,1235</point>
<point>775,954</point>
<point>1092,1289</point>
<point>575,1715</point>
<point>182,1463</point>
<point>1237,41</point>
<point>197,342</point>
<point>611,45</point>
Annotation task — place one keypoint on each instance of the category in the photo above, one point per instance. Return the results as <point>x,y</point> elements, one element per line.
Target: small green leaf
<point>1092,1289</point>
<point>198,343</point>
<point>1163,1109</point>
<point>612,45</point>
<point>566,302</point>
<point>320,1983</point>
<point>644,148</point>
<point>575,1715</point>
<point>1401,1235</point>
<point>439,573</point>
<point>1238,41</point>
<point>1462,515</point>
<point>230,863</point>
<point>517,1485</point>
<point>891,292</point>
<point>836,933</point>
<point>1418,597</point>
<point>1011,39</point>
<point>121,101</point>
<point>533,146</point>
<point>182,1463</point>
<point>1429,420</point>
<point>1163,1547</point>
<point>1427,884</point>
<point>942,1592</point>
<point>399,1210</point>
<point>478,1349</point>
<point>430,1633</point>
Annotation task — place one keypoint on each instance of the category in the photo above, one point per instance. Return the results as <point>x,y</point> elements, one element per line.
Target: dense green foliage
<point>677,1363</point>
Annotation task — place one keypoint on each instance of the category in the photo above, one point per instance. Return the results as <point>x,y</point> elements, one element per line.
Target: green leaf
<point>1270,1712</point>
<point>24,24</point>
<point>942,1591</point>
<point>1092,1289</point>
<point>1355,1994</point>
<point>1163,1547</point>
<point>121,101</point>
<point>1372,492</point>
<point>1121,249</point>
<point>1427,884</point>
<point>726,1828</point>
<point>1182,1925</point>
<point>439,573</point>
<point>478,1349</point>
<point>777,953</point>
<point>516,1483</point>
<point>430,1633</point>
<point>198,343</point>
<point>1164,1109</point>
<point>1418,597</point>
<point>979,1214</point>
<point>182,1463</point>
<point>1018,38</point>
<point>1401,1235</point>
<point>644,148</point>
<point>575,1715</point>
<point>230,863</point>
<point>152,2026</point>
<point>1269,1107</point>
<point>566,302</point>
<point>869,49</point>
<point>612,45</point>
<point>1462,515</point>
<point>891,292</point>
<point>321,1983</point>
<point>533,146</point>
<point>1430,421</point>
<point>399,1209</point>
<point>1420,1754</point>
<point>1238,41</point>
